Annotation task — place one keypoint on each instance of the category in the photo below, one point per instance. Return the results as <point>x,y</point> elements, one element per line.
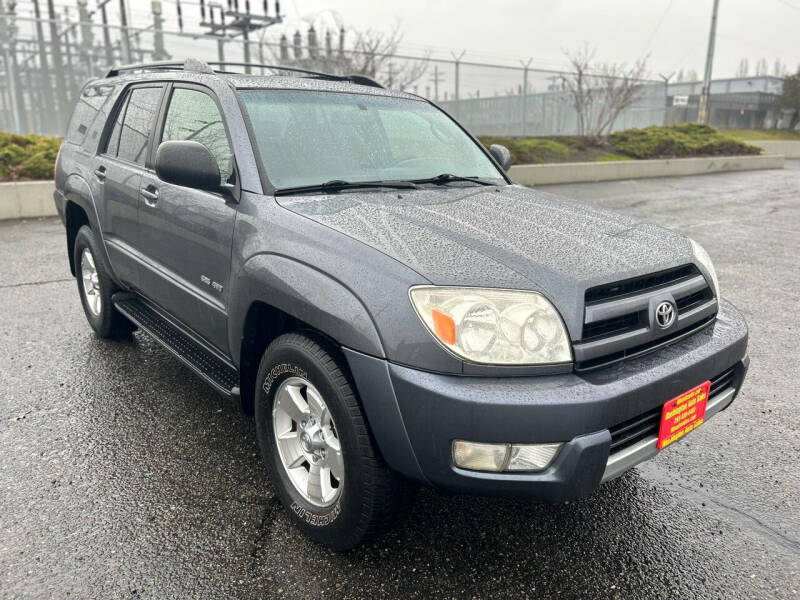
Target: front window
<point>309,138</point>
<point>193,115</point>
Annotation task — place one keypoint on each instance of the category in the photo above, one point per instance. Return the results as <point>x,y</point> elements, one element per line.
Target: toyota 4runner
<point>348,264</point>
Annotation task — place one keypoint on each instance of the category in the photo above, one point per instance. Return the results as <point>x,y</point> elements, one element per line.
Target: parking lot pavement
<point>122,475</point>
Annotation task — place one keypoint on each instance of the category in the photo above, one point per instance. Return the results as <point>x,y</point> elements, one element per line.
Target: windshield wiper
<point>447,178</point>
<point>335,185</point>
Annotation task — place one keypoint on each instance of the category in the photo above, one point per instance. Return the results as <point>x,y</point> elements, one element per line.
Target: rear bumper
<point>415,415</point>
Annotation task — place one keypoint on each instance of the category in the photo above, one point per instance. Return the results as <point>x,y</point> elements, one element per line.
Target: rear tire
<point>358,497</point>
<point>96,287</point>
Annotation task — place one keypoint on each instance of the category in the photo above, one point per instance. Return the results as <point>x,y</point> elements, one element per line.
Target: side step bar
<point>218,372</point>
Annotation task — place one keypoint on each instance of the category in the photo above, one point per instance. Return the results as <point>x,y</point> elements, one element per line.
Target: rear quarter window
<point>89,105</point>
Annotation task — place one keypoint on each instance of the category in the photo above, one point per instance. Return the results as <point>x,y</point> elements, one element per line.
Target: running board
<point>219,373</point>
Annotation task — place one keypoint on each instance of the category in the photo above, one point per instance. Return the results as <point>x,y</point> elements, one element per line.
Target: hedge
<point>27,156</point>
<point>675,141</point>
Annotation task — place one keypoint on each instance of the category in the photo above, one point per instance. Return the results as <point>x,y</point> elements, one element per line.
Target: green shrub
<point>27,156</point>
<point>685,139</point>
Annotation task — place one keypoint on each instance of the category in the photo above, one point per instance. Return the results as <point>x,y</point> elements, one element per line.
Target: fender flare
<point>78,191</point>
<point>305,293</point>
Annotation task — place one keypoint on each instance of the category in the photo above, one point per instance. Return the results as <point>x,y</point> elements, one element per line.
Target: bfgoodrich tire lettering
<point>371,494</point>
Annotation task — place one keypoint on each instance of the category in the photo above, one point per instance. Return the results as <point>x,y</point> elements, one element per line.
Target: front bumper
<point>415,415</point>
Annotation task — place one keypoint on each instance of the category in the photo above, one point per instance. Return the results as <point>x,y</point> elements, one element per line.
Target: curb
<point>27,199</point>
<point>788,148</point>
<point>638,169</point>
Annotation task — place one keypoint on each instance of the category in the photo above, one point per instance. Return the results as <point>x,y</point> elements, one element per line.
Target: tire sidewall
<point>331,525</point>
<point>100,323</point>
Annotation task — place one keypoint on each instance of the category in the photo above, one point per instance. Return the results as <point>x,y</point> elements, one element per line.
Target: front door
<point>187,233</point>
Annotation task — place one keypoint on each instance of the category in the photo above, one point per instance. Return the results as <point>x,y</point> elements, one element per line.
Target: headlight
<point>704,259</point>
<point>499,327</point>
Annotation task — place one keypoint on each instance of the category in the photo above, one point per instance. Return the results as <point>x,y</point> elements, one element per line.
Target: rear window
<point>86,110</point>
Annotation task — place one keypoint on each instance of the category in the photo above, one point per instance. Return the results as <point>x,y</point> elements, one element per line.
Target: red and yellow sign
<point>682,414</point>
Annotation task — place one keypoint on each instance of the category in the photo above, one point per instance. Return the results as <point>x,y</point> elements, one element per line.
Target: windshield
<point>309,138</point>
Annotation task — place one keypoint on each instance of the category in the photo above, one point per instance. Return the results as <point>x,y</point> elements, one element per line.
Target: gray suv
<point>349,265</point>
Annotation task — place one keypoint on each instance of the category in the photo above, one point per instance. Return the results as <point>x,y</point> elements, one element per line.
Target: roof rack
<point>198,66</point>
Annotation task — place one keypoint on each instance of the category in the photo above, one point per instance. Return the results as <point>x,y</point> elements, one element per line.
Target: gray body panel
<point>506,236</point>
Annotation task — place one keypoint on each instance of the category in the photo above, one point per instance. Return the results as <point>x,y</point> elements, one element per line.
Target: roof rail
<point>198,66</point>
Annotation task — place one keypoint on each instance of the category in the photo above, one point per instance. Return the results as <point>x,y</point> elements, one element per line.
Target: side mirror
<point>501,154</point>
<point>189,164</point>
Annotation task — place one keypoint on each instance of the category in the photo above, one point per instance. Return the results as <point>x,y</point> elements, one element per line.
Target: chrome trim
<point>631,456</point>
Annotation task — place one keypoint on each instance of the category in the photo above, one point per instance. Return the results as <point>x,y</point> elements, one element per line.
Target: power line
<point>789,4</point>
<point>658,26</point>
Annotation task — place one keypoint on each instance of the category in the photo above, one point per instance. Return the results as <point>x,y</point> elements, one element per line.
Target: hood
<point>506,236</point>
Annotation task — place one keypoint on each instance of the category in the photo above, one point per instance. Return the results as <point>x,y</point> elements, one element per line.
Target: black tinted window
<point>113,139</point>
<point>89,104</point>
<point>193,115</point>
<point>137,125</point>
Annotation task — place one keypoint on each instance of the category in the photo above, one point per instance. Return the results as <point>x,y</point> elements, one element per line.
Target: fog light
<point>479,457</point>
<point>532,457</point>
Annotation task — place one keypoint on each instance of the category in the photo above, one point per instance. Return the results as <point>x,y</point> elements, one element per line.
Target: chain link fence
<point>45,61</point>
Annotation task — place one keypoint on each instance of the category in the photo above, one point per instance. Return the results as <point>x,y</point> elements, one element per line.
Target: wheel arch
<point>272,295</point>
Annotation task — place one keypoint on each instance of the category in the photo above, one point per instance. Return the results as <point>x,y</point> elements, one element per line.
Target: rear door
<point>187,233</point>
<point>117,172</point>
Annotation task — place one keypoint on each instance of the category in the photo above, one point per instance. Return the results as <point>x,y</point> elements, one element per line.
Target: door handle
<point>100,173</point>
<point>150,194</point>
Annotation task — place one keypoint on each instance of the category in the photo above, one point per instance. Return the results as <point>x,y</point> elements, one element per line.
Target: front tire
<point>317,447</point>
<point>96,287</point>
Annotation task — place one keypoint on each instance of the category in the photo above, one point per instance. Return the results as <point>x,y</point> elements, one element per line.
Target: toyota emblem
<point>665,314</point>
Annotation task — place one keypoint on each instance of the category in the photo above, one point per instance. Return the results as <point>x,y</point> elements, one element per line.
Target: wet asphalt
<point>122,475</point>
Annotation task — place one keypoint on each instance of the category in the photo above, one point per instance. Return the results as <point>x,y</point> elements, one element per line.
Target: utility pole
<point>159,52</point>
<point>702,112</point>
<point>456,90</point>
<point>44,67</point>
<point>7,35</point>
<point>87,36</point>
<point>436,78</point>
<point>58,66</point>
<point>525,65</point>
<point>124,39</point>
<point>106,35</point>
<point>665,79</point>
<point>242,22</point>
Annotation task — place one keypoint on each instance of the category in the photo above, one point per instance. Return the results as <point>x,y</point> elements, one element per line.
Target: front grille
<point>612,326</point>
<point>693,300</point>
<point>637,285</point>
<point>647,424</point>
<point>618,320</point>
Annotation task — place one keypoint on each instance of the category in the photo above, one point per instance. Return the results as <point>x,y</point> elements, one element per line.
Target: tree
<point>761,67</point>
<point>790,98</point>
<point>372,54</point>
<point>600,92</point>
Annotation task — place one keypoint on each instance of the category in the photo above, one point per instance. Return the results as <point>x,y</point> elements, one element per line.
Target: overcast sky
<point>673,32</point>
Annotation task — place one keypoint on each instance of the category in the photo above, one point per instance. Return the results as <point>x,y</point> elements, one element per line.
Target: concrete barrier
<point>637,169</point>
<point>788,148</point>
<point>26,199</point>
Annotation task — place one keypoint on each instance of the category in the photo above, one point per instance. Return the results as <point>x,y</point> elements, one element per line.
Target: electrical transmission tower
<point>227,22</point>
